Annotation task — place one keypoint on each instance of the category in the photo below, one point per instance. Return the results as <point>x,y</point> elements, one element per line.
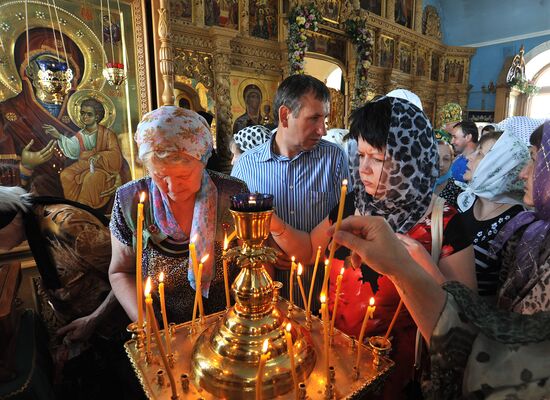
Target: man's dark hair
<point>487,129</point>
<point>291,90</point>
<point>536,137</point>
<point>468,128</point>
<point>372,123</point>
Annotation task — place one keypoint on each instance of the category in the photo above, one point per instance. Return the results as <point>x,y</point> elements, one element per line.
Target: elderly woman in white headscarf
<point>183,202</point>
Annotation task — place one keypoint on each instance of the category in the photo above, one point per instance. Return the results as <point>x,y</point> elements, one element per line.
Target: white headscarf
<point>496,176</point>
<point>521,127</point>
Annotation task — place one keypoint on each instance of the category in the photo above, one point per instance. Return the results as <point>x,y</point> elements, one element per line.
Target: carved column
<point>377,46</point>
<point>390,10</point>
<point>198,12</point>
<point>417,23</point>
<point>244,23</point>
<point>166,57</point>
<point>222,70</point>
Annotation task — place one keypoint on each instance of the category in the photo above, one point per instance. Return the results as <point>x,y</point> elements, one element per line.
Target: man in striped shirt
<point>302,171</point>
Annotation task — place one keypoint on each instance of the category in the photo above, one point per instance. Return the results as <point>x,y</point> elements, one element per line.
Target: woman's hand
<point>372,242</point>
<point>419,254</point>
<point>80,329</point>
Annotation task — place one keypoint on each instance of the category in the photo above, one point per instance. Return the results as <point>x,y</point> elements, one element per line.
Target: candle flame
<point>225,242</point>
<point>148,286</point>
<point>265,346</point>
<point>345,182</point>
<point>194,238</point>
<point>371,301</point>
<point>203,260</point>
<point>288,326</point>
<point>342,271</point>
<point>293,258</point>
<point>326,262</point>
<point>300,269</point>
<point>323,298</point>
<point>161,277</point>
<point>142,197</point>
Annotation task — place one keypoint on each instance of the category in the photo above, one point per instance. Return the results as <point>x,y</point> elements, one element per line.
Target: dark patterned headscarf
<point>405,189</point>
<point>538,226</point>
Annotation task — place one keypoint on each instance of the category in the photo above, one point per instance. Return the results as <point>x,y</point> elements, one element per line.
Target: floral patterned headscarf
<point>408,175</point>
<point>175,129</point>
<point>496,177</point>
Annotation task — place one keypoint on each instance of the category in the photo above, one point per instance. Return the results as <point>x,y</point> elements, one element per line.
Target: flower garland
<point>356,28</point>
<point>300,19</point>
<point>524,86</point>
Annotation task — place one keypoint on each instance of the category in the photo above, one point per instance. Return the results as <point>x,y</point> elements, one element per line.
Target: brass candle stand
<point>219,357</point>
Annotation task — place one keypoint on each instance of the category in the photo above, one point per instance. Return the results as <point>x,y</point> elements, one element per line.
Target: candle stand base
<point>381,347</point>
<point>342,356</point>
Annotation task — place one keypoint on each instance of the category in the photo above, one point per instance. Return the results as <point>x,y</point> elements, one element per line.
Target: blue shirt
<point>305,188</point>
<point>459,168</point>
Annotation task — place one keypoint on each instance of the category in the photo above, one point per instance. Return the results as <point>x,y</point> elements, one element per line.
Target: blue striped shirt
<point>305,188</point>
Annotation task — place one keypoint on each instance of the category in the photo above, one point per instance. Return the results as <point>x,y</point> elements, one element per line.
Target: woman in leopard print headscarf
<point>393,173</point>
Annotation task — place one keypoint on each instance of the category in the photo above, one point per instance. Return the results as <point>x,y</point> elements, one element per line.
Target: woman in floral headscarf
<point>525,239</point>
<point>393,172</point>
<point>492,198</point>
<point>183,201</point>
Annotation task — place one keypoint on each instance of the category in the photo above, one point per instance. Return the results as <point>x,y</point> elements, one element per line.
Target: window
<point>539,69</point>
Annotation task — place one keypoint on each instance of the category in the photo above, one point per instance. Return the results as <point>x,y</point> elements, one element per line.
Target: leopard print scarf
<point>409,172</point>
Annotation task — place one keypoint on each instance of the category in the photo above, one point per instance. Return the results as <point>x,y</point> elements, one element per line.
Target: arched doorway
<point>329,70</point>
<point>537,69</point>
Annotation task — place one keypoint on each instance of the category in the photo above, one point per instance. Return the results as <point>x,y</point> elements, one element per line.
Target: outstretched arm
<point>122,275</point>
<point>373,242</point>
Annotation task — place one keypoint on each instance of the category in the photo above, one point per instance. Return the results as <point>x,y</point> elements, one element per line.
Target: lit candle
<point>193,255</point>
<point>226,272</point>
<point>263,359</point>
<point>392,323</point>
<point>338,287</point>
<point>292,269</point>
<point>199,284</point>
<point>343,191</point>
<point>300,284</point>
<point>148,316</point>
<point>150,312</point>
<point>290,348</point>
<point>368,314</point>
<point>139,252</point>
<point>308,311</point>
<point>326,342</point>
<point>163,312</point>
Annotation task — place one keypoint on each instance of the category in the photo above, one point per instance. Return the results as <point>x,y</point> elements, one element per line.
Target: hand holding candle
<point>290,349</point>
<point>338,287</point>
<point>163,312</point>
<point>139,253</point>
<point>300,284</point>
<point>259,377</point>
<point>368,314</point>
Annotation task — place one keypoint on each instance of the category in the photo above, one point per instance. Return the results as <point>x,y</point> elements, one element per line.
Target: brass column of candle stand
<point>225,360</point>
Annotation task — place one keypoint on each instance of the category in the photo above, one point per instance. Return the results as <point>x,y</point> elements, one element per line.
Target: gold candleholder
<point>380,347</point>
<point>225,358</point>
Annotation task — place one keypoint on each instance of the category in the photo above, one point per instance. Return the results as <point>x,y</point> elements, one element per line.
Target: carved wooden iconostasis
<point>224,48</point>
<point>71,69</point>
